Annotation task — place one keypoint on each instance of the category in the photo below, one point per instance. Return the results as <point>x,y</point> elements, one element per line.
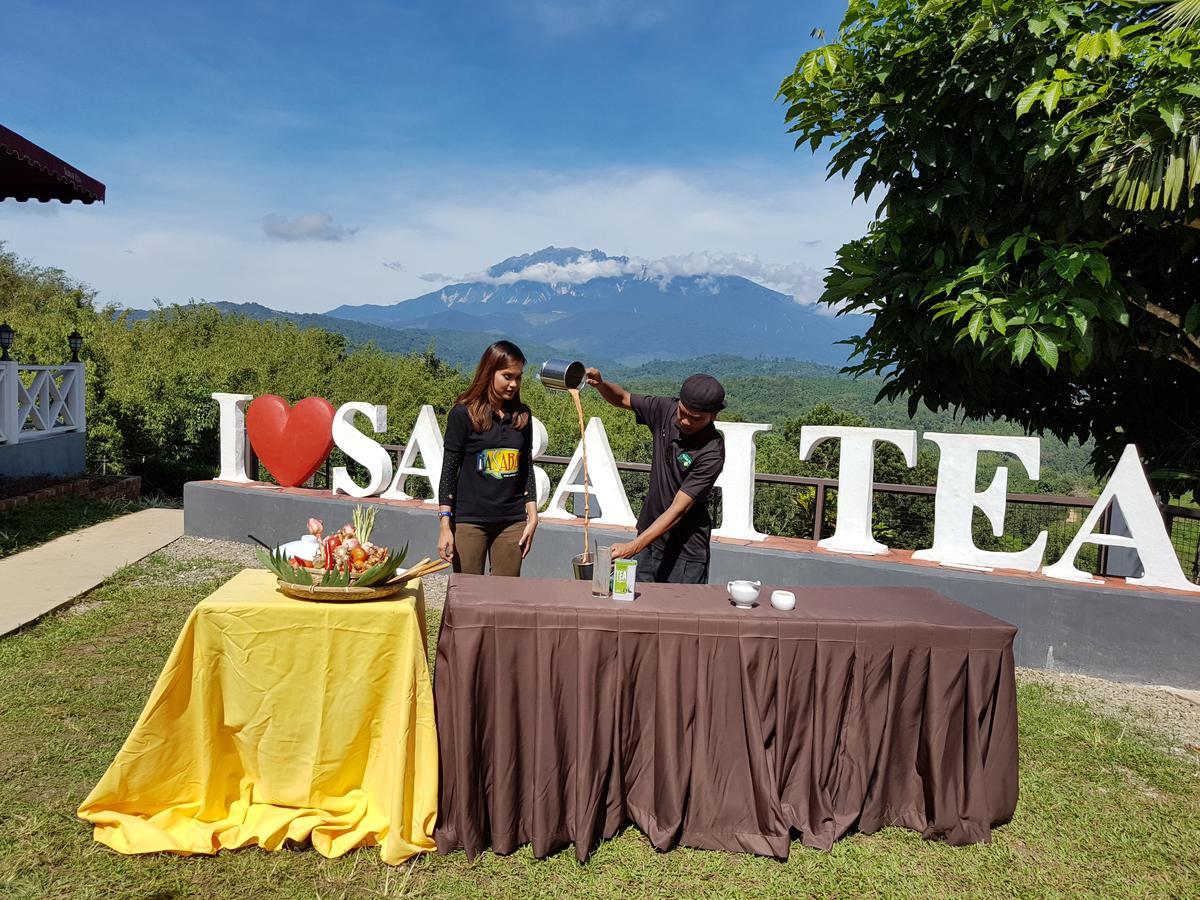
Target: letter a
<point>1147,534</point>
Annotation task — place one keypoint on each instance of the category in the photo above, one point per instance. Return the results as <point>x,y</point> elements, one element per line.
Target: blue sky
<point>304,155</point>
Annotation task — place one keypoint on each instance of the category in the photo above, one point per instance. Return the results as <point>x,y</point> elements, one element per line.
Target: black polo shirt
<point>688,463</point>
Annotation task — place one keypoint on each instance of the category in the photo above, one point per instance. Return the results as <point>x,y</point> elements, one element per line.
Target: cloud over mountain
<point>592,305</point>
<point>306,227</point>
<point>802,283</point>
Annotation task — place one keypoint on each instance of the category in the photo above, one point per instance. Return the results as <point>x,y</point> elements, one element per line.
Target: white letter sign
<point>856,473</point>
<point>232,435</point>
<point>956,497</point>
<point>361,449</point>
<point>604,477</point>
<point>426,440</point>
<point>736,481</point>
<point>956,501</point>
<point>1148,536</point>
<point>541,481</point>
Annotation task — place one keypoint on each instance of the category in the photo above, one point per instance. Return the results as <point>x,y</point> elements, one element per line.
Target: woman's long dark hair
<point>478,397</point>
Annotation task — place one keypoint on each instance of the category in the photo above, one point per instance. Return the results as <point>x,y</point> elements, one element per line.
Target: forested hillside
<point>458,348</point>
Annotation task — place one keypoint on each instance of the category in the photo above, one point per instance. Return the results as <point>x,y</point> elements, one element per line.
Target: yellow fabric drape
<point>277,719</point>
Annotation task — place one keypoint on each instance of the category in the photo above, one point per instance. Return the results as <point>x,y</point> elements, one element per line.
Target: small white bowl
<point>783,600</point>
<point>305,548</point>
<point>743,593</point>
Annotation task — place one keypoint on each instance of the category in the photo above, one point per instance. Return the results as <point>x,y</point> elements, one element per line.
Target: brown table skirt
<point>562,718</point>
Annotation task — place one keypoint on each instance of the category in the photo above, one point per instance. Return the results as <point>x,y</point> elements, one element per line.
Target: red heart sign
<point>291,441</point>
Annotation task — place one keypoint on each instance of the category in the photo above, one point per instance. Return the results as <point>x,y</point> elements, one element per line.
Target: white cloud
<point>395,266</point>
<point>583,269</point>
<point>199,239</point>
<point>306,227</point>
<point>801,282</point>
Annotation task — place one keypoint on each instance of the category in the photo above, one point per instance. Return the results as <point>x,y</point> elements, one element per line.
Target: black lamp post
<point>6,339</point>
<point>75,339</point>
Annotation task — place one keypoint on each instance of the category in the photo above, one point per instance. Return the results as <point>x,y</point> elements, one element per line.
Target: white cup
<point>783,600</point>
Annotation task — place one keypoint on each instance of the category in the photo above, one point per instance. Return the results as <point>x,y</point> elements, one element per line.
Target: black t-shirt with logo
<point>494,469</point>
<point>688,463</point>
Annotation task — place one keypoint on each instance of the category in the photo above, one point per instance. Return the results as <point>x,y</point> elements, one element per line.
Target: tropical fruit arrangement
<point>343,558</point>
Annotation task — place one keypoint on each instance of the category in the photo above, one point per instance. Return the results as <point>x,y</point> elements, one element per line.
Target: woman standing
<point>487,499</point>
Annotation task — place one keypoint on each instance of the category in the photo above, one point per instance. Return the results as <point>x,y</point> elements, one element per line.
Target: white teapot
<point>743,593</point>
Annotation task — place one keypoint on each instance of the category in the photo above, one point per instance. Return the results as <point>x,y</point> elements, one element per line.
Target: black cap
<point>702,393</point>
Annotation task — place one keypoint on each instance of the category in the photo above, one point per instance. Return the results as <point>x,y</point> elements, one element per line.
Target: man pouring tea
<point>672,544</point>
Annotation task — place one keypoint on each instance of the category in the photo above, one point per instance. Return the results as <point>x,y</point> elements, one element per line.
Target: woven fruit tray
<point>320,594</point>
<point>351,593</point>
<point>341,566</point>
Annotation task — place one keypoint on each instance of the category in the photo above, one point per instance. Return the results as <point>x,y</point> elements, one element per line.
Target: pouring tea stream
<point>567,375</point>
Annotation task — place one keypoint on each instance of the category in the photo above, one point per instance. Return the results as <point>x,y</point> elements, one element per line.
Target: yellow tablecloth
<point>277,719</point>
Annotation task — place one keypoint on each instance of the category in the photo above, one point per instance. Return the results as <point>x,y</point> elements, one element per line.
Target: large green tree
<point>1035,253</point>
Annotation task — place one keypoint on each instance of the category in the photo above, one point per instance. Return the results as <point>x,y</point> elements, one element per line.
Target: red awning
<point>27,172</point>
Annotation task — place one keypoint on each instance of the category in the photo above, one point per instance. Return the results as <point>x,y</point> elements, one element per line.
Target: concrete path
<point>38,581</point>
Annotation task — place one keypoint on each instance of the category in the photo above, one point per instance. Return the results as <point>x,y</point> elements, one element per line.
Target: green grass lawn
<point>35,523</point>
<point>1104,810</point>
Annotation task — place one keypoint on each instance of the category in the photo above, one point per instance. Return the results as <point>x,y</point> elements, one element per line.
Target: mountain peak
<point>585,303</point>
<point>559,256</point>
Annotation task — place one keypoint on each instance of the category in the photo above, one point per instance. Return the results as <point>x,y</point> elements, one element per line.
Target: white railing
<point>40,401</point>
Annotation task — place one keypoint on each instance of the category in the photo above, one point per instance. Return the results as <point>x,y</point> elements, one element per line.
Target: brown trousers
<point>474,544</point>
